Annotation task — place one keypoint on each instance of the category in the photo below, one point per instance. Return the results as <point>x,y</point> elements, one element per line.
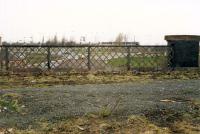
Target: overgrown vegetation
<point>94,124</point>
<point>50,79</point>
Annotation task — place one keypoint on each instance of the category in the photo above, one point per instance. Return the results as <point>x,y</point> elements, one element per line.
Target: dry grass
<point>98,125</point>
<point>186,128</point>
<point>45,80</point>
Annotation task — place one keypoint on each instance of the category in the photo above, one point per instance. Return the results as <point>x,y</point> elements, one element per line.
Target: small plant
<point>10,103</point>
<point>110,108</point>
<point>105,112</point>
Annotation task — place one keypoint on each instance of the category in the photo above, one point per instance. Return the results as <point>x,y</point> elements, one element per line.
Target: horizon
<point>145,21</point>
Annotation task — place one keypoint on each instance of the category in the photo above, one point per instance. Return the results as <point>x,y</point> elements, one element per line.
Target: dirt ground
<point>162,106</point>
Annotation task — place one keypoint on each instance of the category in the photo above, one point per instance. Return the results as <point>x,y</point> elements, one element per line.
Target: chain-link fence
<point>81,58</point>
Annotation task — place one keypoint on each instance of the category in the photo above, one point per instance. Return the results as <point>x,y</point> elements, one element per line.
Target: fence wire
<point>83,58</point>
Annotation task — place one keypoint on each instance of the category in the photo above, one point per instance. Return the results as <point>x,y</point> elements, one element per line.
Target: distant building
<point>122,43</point>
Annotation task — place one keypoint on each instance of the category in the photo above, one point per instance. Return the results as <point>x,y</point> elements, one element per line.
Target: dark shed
<point>185,50</point>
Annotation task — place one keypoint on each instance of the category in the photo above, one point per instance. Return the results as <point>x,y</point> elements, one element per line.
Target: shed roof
<point>182,37</point>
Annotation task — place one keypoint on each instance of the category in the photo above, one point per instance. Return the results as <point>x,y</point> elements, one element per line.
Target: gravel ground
<point>124,99</point>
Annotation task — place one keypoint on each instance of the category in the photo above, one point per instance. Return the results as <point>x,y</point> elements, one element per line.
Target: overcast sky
<point>99,20</point>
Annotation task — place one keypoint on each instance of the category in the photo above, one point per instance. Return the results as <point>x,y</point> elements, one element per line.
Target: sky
<point>148,21</point>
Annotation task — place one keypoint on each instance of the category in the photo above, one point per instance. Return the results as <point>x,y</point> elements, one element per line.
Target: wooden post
<point>89,60</point>
<point>128,58</point>
<point>48,58</point>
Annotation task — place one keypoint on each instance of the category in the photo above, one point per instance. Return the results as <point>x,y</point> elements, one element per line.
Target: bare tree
<point>63,41</point>
<point>121,38</point>
<point>55,40</point>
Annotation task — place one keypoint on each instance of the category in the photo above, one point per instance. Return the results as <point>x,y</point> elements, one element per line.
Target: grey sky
<point>99,20</point>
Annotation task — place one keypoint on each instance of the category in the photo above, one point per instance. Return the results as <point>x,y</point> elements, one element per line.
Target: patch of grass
<point>184,127</point>
<point>10,103</point>
<point>46,80</point>
<point>93,125</point>
<point>138,62</point>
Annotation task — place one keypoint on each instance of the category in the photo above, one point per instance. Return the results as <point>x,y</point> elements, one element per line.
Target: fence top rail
<point>85,45</point>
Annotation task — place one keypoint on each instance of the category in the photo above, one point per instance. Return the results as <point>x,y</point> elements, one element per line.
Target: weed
<point>10,103</point>
<point>105,112</point>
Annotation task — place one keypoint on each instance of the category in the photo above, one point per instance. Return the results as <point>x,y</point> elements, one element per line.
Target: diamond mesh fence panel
<point>108,58</point>
<point>84,58</point>
<point>69,59</point>
<point>27,59</point>
<point>153,58</point>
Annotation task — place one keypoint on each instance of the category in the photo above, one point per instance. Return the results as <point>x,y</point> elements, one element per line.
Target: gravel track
<point>123,99</point>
